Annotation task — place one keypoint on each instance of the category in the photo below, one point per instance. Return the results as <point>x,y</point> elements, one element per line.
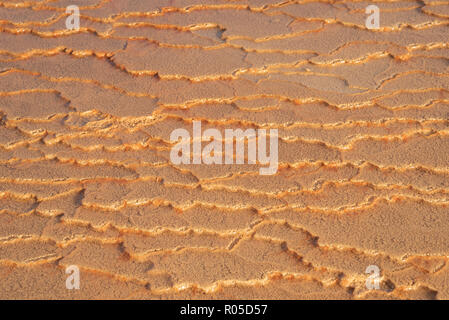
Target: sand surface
<point>85,171</point>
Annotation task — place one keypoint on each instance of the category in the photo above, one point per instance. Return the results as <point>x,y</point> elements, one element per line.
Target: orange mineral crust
<point>360,117</point>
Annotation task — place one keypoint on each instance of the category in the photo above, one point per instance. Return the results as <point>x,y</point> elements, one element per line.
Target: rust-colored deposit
<point>86,178</point>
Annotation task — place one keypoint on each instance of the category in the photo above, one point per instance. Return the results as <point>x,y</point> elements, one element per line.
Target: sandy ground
<point>85,171</point>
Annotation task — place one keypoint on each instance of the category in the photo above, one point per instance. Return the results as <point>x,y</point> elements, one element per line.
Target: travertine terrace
<point>86,178</point>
